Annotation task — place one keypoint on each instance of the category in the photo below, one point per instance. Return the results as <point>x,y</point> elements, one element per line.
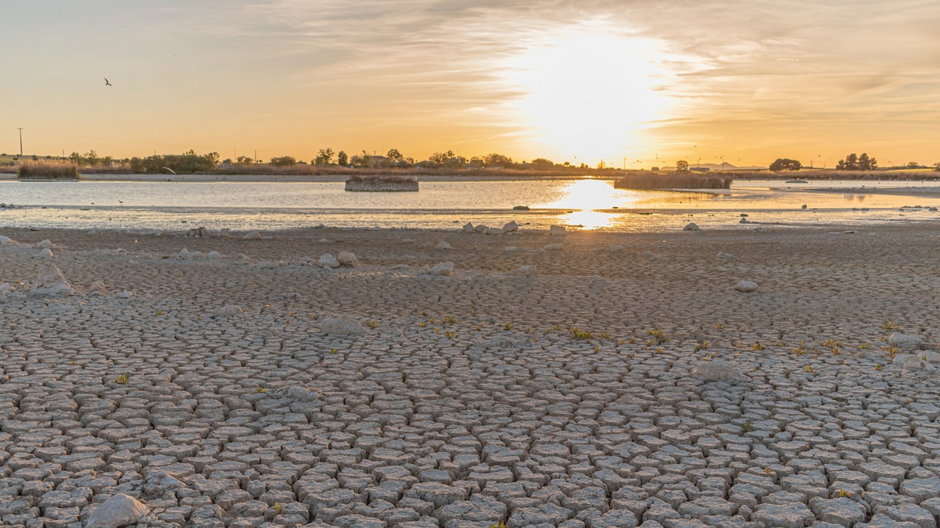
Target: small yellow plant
<point>449,320</point>
<point>809,368</point>
<point>865,346</point>
<point>579,334</point>
<point>659,335</point>
<point>841,493</point>
<point>450,334</point>
<point>422,324</point>
<point>332,351</point>
<point>758,346</point>
<point>160,312</point>
<point>507,326</point>
<point>277,508</point>
<point>718,326</point>
<point>500,524</point>
<point>605,335</point>
<point>701,345</point>
<point>121,380</point>
<point>890,326</point>
<point>373,323</point>
<point>879,366</point>
<point>260,390</point>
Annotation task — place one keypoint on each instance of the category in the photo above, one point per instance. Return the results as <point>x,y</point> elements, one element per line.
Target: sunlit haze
<point>632,83</point>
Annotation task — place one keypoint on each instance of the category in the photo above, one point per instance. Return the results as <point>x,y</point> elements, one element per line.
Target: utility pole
<point>21,141</point>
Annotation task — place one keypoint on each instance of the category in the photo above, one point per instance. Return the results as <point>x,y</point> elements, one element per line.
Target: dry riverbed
<point>586,380</point>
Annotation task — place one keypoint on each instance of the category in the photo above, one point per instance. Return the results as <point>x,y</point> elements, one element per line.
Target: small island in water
<point>386,183</point>
<point>649,180</point>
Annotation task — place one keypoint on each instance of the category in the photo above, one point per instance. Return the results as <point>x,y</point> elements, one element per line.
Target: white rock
<point>51,282</point>
<point>44,244</point>
<point>213,255</point>
<point>7,241</point>
<point>252,235</point>
<point>911,362</point>
<point>493,231</point>
<point>125,294</point>
<point>442,269</point>
<point>5,287</point>
<point>557,230</point>
<point>717,370</point>
<point>348,259</point>
<point>510,227</point>
<point>327,260</point>
<point>724,256</point>
<point>553,247</point>
<point>325,240</point>
<point>691,226</point>
<point>905,341</point>
<point>510,249</point>
<point>341,326</point>
<point>745,286</point>
<point>468,227</point>
<point>120,510</point>
<point>183,255</point>
<point>525,271</point>
<point>480,228</point>
<point>45,253</point>
<point>229,309</point>
<point>443,245</point>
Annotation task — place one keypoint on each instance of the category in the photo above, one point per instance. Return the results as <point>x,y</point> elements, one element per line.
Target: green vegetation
<point>579,334</point>
<point>186,163</point>
<point>121,380</point>
<point>784,164</point>
<point>48,170</point>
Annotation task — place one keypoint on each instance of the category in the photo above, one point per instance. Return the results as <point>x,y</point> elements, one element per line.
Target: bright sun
<point>587,94</point>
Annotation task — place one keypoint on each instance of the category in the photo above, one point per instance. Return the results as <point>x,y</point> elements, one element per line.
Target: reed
<point>48,170</point>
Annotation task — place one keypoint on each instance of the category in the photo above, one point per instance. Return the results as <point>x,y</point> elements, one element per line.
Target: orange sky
<point>649,82</point>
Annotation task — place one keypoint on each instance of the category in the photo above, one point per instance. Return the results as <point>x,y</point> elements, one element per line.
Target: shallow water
<point>588,204</point>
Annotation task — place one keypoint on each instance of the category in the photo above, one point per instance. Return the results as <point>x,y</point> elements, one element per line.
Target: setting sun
<point>588,94</point>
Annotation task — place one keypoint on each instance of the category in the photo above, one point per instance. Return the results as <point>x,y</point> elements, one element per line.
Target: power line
<point>21,141</point>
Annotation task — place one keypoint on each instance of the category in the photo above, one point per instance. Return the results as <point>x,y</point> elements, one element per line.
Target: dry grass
<point>48,170</point>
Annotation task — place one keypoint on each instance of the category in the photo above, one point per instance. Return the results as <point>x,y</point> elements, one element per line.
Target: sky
<point>634,83</point>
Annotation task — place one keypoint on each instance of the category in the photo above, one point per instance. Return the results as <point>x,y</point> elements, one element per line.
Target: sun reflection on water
<point>589,197</point>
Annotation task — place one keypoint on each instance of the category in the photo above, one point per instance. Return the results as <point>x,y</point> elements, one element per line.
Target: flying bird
<point>107,82</point>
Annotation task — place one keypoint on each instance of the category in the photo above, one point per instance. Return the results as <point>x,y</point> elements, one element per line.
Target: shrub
<point>52,171</point>
<point>186,163</point>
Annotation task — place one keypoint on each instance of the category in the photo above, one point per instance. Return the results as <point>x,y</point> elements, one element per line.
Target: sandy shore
<point>619,381</point>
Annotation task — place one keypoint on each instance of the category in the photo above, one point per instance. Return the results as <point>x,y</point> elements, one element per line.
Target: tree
<point>440,158</point>
<point>936,167</point>
<point>244,160</point>
<point>497,160</point>
<point>283,161</point>
<point>784,164</point>
<point>849,163</point>
<point>542,164</point>
<point>342,158</point>
<point>913,165</point>
<point>324,157</point>
<point>394,155</point>
<point>682,166</point>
